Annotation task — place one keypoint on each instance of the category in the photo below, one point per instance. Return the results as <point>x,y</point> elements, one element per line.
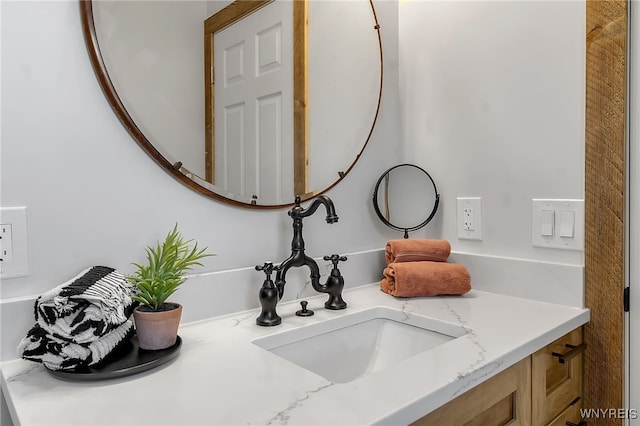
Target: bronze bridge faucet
<point>270,293</point>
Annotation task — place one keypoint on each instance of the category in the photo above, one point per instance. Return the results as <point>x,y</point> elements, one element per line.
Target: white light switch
<point>567,224</point>
<point>557,224</point>
<point>547,222</point>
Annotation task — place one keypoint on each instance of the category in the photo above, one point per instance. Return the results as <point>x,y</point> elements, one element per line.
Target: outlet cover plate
<point>18,265</point>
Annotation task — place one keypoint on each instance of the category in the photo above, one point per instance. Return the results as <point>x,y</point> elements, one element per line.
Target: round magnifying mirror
<point>405,198</point>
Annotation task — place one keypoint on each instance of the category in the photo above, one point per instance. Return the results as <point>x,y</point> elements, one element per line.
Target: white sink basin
<point>346,348</point>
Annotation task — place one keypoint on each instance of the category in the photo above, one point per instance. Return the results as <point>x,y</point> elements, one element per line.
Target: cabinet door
<point>555,384</point>
<point>501,400</point>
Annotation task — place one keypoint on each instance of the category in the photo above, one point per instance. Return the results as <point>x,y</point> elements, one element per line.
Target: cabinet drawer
<point>501,400</point>
<point>570,415</point>
<point>556,383</point>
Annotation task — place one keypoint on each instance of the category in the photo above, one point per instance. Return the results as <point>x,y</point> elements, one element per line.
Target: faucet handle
<point>268,268</point>
<point>335,258</point>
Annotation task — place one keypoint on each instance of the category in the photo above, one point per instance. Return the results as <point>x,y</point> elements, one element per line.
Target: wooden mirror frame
<point>195,183</point>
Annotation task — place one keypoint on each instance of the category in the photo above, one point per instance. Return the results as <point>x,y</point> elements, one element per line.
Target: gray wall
<point>94,197</point>
<point>492,103</point>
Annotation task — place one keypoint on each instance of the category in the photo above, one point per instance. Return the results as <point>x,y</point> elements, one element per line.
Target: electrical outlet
<point>13,230</point>
<point>469,218</point>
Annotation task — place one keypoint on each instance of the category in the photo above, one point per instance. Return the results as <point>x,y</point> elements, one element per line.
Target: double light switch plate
<point>558,223</point>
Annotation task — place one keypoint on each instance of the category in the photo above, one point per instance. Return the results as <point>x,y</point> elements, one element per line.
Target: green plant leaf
<point>166,265</point>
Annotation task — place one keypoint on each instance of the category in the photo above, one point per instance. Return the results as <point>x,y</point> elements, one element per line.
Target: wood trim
<point>232,13</point>
<point>300,97</point>
<point>606,66</point>
<point>222,19</point>
<point>209,102</point>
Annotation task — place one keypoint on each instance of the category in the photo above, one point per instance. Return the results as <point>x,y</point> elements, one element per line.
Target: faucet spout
<point>298,212</point>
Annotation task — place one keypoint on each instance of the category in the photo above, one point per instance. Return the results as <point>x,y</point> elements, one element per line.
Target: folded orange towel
<point>414,279</point>
<point>417,249</point>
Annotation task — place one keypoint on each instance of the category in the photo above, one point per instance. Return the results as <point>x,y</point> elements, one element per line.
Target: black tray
<point>125,361</point>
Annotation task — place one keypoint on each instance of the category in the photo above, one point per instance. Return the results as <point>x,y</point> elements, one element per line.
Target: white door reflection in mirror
<point>253,72</point>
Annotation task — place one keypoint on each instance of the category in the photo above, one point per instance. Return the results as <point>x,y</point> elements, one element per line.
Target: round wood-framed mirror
<point>334,58</point>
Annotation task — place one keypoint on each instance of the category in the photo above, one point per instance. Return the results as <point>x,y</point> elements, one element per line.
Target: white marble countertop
<point>222,378</point>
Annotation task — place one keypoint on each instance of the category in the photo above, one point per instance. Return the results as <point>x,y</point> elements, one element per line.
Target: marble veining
<point>306,289</point>
<point>282,418</point>
<point>222,378</point>
<point>405,310</point>
<point>487,371</point>
<point>24,374</point>
<point>241,320</point>
<point>471,336</point>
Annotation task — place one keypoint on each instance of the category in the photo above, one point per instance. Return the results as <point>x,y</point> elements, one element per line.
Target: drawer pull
<point>582,423</point>
<point>573,351</point>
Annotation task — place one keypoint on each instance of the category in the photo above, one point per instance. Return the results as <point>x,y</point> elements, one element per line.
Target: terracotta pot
<point>157,329</point>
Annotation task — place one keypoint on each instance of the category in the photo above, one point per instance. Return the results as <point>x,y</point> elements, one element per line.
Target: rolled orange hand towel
<point>415,279</point>
<point>417,249</point>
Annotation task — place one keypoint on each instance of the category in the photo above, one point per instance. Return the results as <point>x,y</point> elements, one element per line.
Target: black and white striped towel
<point>81,321</point>
<point>58,354</point>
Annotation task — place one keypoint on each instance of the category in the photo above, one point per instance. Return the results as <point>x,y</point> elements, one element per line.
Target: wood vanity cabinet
<point>503,399</point>
<point>556,381</point>
<point>543,389</point>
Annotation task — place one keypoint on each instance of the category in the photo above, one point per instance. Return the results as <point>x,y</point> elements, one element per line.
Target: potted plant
<point>157,320</point>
